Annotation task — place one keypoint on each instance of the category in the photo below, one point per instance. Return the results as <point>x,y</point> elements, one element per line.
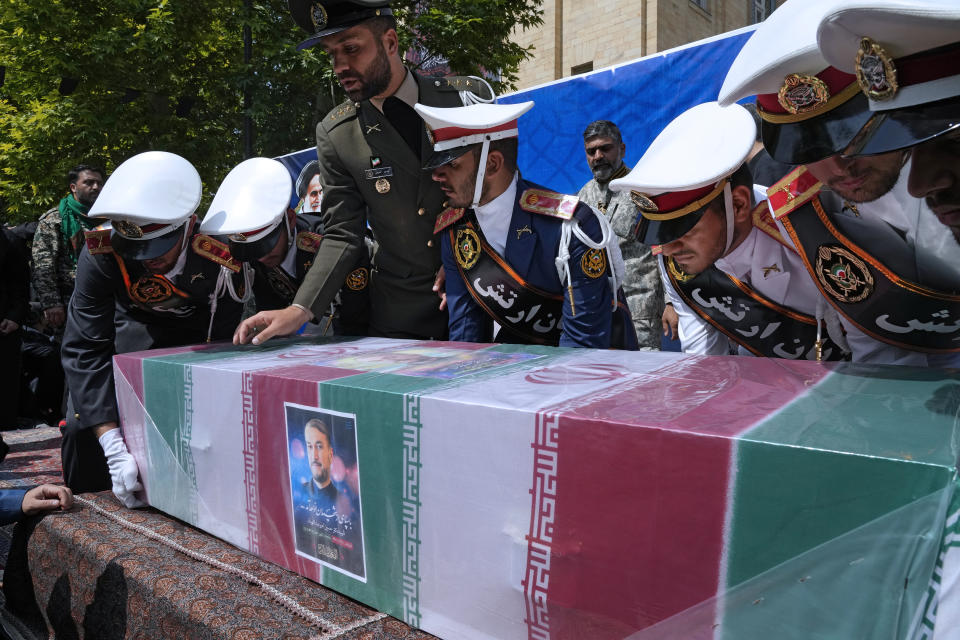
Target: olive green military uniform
<point>371,176</point>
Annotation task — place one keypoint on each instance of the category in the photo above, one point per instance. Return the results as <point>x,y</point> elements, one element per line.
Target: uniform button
<point>77,416</point>
<point>430,243</point>
<point>436,83</point>
<point>356,105</point>
<point>445,203</point>
<point>421,211</point>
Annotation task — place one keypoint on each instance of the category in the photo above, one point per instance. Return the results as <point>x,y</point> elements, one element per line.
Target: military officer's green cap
<point>326,17</point>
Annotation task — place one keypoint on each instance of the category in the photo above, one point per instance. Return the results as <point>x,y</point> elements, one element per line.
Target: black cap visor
<point>902,128</point>
<point>440,158</point>
<point>253,251</point>
<point>145,249</point>
<point>340,17</point>
<point>653,232</point>
<point>817,138</point>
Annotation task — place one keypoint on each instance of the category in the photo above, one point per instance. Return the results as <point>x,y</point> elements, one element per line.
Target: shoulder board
<point>340,113</point>
<point>214,251</point>
<point>549,203</point>
<point>763,221</point>
<point>308,241</point>
<point>795,189</point>
<point>446,218</point>
<point>463,83</point>
<point>98,241</point>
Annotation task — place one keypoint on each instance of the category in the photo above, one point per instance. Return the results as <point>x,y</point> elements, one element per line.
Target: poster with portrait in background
<point>305,172</point>
<point>325,488</point>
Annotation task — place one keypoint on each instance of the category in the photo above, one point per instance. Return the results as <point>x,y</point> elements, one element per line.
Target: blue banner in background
<point>641,97</point>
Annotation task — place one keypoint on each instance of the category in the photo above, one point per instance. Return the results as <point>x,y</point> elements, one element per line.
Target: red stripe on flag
<point>630,493</point>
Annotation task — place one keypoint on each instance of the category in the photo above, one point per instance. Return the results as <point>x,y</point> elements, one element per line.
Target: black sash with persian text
<point>751,320</point>
<point>520,308</point>
<point>870,295</point>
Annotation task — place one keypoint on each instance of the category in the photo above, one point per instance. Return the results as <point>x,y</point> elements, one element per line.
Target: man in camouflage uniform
<point>642,286</point>
<point>58,241</point>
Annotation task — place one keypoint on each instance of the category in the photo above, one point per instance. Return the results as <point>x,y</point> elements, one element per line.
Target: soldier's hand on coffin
<point>669,320</point>
<point>267,324</point>
<point>123,469</point>
<point>439,287</point>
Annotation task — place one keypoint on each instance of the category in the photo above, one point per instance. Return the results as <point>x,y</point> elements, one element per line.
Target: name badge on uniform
<point>376,174</point>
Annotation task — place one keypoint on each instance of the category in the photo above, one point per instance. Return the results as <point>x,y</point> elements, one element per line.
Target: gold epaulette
<point>764,221</point>
<point>549,203</point>
<point>794,190</point>
<point>340,113</point>
<point>308,241</point>
<point>98,241</point>
<point>446,218</point>
<point>215,251</point>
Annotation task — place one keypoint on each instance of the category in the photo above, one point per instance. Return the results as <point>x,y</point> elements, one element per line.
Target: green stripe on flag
<point>168,400</point>
<point>388,446</point>
<point>840,468</point>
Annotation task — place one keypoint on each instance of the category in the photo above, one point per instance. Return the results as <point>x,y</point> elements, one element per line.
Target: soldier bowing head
<point>695,206</point>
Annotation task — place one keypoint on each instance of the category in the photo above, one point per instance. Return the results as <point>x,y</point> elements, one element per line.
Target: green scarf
<point>73,220</point>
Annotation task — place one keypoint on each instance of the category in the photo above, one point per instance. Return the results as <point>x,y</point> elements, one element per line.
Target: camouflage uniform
<point>54,261</point>
<point>642,284</point>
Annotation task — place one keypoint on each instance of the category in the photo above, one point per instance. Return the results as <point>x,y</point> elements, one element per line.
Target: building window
<point>703,4</point>
<point>581,68</point>
<point>760,10</point>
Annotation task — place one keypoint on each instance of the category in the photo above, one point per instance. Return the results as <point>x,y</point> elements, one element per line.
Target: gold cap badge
<point>319,16</point>
<point>128,229</point>
<point>643,202</point>
<point>802,93</point>
<point>876,73</point>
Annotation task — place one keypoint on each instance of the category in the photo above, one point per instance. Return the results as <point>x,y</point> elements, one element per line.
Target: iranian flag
<point>480,491</point>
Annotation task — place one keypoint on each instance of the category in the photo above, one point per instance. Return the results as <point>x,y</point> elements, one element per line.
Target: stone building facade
<point>578,36</point>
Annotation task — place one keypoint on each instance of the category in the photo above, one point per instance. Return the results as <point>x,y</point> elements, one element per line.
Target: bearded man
<point>605,150</point>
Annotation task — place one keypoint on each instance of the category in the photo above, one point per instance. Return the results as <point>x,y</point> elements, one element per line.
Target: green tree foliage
<point>135,63</point>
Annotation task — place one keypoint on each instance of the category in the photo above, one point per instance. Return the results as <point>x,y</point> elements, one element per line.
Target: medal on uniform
<point>594,263</point>
<point>383,185</point>
<point>842,274</point>
<point>467,248</point>
<point>151,289</point>
<point>357,280</point>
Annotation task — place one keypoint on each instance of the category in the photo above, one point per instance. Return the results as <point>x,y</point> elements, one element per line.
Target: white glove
<point>123,469</point>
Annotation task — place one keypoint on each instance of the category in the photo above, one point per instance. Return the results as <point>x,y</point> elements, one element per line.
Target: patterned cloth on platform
<point>82,574</point>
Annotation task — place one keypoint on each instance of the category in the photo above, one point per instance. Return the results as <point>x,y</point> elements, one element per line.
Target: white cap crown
<point>698,148</point>
<point>155,187</point>
<point>253,197</point>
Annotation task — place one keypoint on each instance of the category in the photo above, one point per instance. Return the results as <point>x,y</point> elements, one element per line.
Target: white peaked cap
<point>452,127</point>
<point>699,148</point>
<point>155,187</point>
<point>900,28</point>
<point>784,43</point>
<point>253,197</point>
